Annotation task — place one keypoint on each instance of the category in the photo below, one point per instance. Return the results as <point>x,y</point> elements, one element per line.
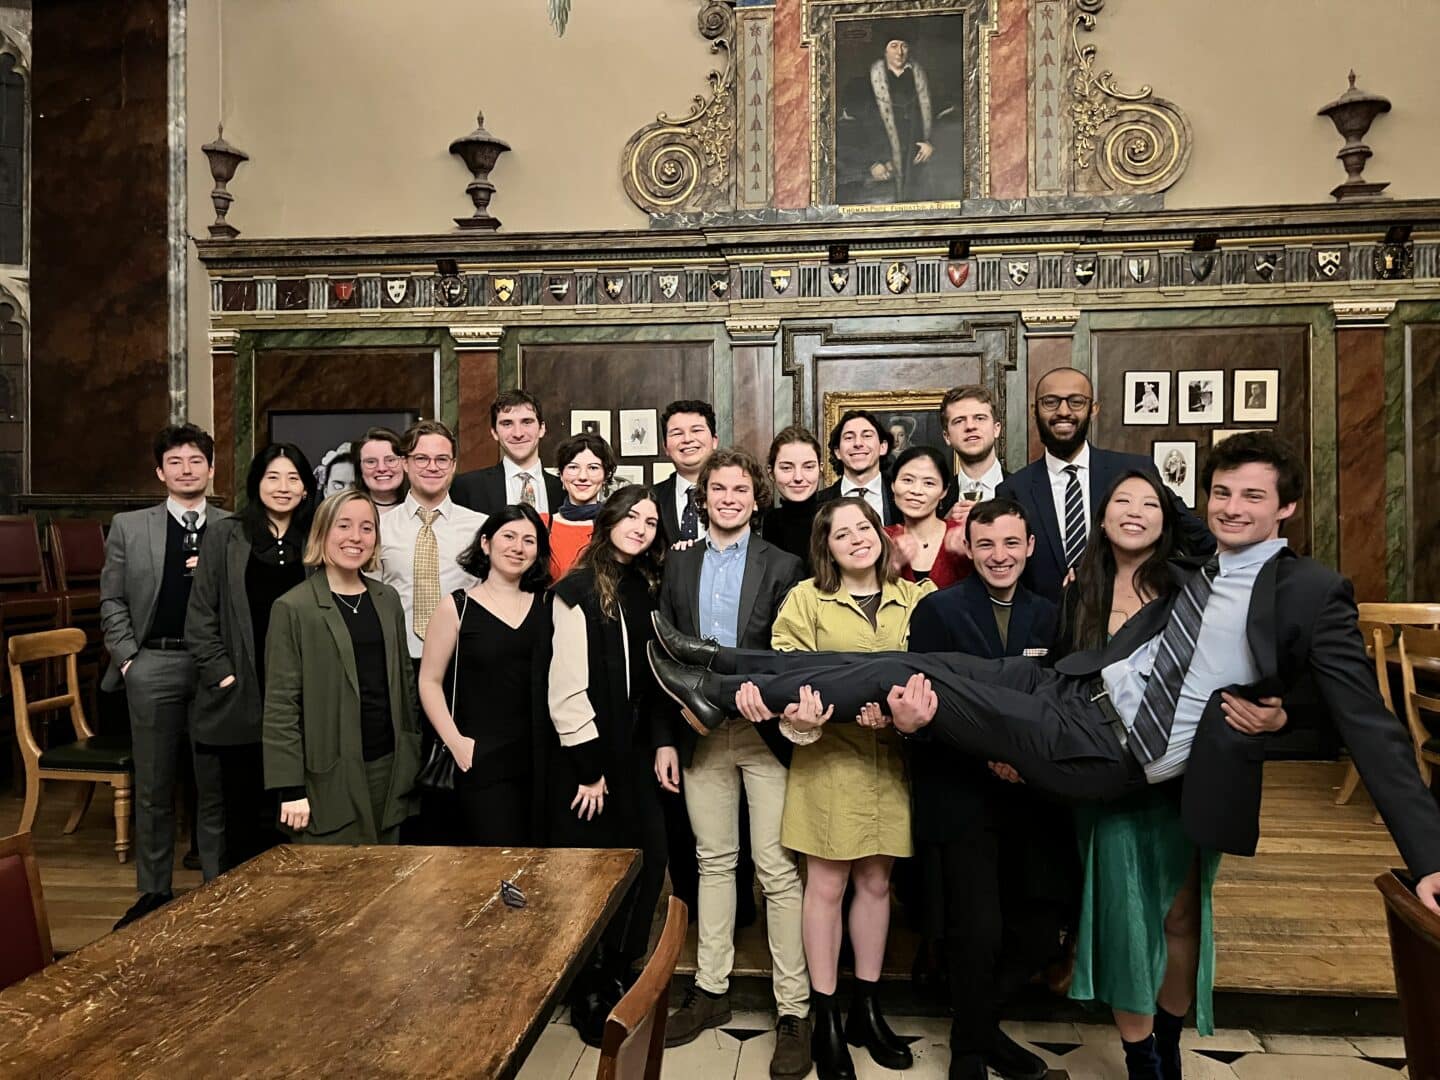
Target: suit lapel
<point>1022,618</point>
<point>157,524</point>
<point>976,605</point>
<point>1260,623</point>
<point>689,567</point>
<point>497,495</point>
<point>750,583</point>
<point>237,558</point>
<point>1045,504</point>
<point>335,623</point>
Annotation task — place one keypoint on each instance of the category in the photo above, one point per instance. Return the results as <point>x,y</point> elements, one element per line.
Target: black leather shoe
<point>693,689</point>
<point>191,861</point>
<point>1013,1061</point>
<point>827,1041</point>
<point>865,1026</point>
<point>684,649</point>
<point>148,902</point>
<point>968,1067</point>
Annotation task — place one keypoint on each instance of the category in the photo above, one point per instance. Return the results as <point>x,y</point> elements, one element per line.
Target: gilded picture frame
<point>911,416</point>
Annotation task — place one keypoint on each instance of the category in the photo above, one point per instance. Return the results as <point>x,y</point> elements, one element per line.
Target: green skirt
<point>1136,858</point>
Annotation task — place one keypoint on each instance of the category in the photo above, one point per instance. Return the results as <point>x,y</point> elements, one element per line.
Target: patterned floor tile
<point>1308,1067</point>
<point>1325,1045</point>
<point>555,1055</point>
<point>1234,1039</point>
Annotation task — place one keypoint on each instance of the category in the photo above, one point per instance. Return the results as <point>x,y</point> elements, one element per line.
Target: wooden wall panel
<point>478,388</point>
<point>1360,394</point>
<point>1285,348</point>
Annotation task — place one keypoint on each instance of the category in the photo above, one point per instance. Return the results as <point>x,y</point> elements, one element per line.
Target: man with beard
<point>967,419</point>
<point>1059,490</point>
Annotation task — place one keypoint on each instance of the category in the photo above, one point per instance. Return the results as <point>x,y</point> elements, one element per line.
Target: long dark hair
<point>477,564</point>
<point>599,555</point>
<point>254,518</point>
<point>1088,599</point>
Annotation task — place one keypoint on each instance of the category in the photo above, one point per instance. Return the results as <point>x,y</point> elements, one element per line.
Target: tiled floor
<point>741,1051</point>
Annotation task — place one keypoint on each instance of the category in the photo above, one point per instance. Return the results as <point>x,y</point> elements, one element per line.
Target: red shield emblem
<point>957,273</point>
<point>343,290</point>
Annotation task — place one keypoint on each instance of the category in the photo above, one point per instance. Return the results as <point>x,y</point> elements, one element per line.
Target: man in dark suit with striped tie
<point>1060,490</point>
<point>689,430</point>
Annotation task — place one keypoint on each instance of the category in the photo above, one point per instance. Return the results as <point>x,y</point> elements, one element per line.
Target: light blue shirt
<point>1222,658</point>
<point>722,571</point>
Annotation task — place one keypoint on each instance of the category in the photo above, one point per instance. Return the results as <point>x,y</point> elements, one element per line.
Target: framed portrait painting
<point>1176,464</point>
<point>910,417</point>
<point>1200,397</point>
<point>1256,396</point>
<point>329,438</point>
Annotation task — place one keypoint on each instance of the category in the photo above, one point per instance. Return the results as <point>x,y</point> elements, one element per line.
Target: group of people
<point>674,669</point>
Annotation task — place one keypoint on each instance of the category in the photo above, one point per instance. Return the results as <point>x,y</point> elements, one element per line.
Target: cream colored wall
<point>1250,74</point>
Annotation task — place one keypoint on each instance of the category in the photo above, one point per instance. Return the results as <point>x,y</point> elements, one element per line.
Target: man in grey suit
<point>150,557</point>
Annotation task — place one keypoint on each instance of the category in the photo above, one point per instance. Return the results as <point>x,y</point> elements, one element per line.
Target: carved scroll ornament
<point>681,164</point>
<point>1126,142</point>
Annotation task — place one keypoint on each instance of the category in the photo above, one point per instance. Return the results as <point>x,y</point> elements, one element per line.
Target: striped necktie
<point>1074,517</point>
<point>1151,734</point>
<point>426,572</point>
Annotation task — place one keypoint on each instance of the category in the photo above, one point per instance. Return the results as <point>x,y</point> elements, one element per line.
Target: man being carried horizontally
<point>1253,621</point>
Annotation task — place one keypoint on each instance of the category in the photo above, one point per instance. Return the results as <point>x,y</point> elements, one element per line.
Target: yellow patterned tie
<point>427,572</point>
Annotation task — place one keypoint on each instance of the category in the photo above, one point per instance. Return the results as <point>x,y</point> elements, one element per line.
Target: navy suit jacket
<point>484,490</point>
<point>1030,487</point>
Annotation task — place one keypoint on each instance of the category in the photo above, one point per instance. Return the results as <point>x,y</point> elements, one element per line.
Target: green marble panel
<point>1324,464</point>
<point>1399,500</point>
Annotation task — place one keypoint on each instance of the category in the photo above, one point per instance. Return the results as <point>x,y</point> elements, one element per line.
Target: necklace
<point>360,599</point>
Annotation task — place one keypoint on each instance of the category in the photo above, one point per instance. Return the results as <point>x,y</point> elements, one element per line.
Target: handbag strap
<point>455,670</point>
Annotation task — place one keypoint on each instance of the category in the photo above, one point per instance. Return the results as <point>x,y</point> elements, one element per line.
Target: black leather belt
<point>165,644</point>
<point>1096,694</point>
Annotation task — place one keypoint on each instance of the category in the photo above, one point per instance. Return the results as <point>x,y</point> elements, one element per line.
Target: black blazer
<point>220,638</point>
<point>1302,622</point>
<point>770,574</point>
<point>669,520</point>
<point>948,787</point>
<point>484,490</point>
<point>892,512</point>
<point>1030,487</point>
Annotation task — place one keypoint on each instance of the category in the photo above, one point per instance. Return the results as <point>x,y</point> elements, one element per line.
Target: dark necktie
<point>1156,715</point>
<point>690,519</point>
<point>1074,516</point>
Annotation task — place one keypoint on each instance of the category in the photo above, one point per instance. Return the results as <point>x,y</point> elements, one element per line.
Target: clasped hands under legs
<point>909,707</point>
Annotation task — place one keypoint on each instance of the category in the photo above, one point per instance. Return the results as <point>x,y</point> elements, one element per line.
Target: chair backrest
<point>1378,637</point>
<point>21,564</point>
<point>634,1042</point>
<point>30,648</point>
<point>1415,954</point>
<point>27,946</point>
<point>1418,647</point>
<point>78,547</point>
<point>1402,614</point>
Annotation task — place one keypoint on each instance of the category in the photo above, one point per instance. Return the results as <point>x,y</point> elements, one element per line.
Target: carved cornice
<point>752,331</point>
<point>1049,320</point>
<point>1356,313</point>
<point>477,337</point>
<point>224,340</point>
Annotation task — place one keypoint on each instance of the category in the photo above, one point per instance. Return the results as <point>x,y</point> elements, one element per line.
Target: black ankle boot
<point>593,995</point>
<point>827,1041</point>
<point>1167,1043</point>
<point>1141,1060</point>
<point>866,1027</point>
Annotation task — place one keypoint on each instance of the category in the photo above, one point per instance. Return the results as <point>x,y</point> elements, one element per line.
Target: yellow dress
<point>847,796</point>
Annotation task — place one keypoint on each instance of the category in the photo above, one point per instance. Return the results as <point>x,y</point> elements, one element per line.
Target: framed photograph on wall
<point>1220,435</point>
<point>1176,463</point>
<point>1256,396</point>
<point>629,474</point>
<point>661,470</point>
<point>911,418</point>
<point>1200,397</point>
<point>1147,397</point>
<point>329,438</point>
<point>638,436</point>
<point>591,422</point>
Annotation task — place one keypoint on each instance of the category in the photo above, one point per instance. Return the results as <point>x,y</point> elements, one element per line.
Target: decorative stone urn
<point>1352,114</point>
<point>479,150</point>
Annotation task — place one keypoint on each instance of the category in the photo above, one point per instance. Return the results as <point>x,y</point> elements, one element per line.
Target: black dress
<point>787,525</point>
<point>497,692</point>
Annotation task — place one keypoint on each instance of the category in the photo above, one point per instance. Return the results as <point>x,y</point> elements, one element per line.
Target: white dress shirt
<point>454,527</point>
<point>986,484</point>
<point>178,512</point>
<point>515,484</point>
<point>1059,478</point>
<point>873,493</point>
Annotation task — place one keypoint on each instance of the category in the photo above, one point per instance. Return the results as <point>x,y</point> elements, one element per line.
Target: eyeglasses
<point>375,462</point>
<point>1051,402</point>
<point>440,461</point>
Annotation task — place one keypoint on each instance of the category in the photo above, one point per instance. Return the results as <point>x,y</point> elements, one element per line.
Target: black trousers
<point>252,814</point>
<point>1012,710</point>
<point>495,813</point>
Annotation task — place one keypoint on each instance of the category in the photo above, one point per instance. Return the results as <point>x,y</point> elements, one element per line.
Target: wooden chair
<point>22,912</point>
<point>91,759</point>
<point>1420,648</point>
<point>77,552</point>
<point>1378,637</point>
<point>634,1042</point>
<point>1415,954</point>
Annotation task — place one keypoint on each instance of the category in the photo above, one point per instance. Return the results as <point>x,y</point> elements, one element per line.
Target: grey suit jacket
<point>130,581</point>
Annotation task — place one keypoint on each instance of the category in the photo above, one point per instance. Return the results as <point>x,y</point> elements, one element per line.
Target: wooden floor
<point>1302,917</point>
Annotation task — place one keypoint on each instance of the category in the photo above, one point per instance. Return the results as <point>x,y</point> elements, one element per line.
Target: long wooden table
<point>326,961</point>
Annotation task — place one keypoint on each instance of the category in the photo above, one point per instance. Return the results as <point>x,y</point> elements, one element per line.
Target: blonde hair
<point>325,515</point>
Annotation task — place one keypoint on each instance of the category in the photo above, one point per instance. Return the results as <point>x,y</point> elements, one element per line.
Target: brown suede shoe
<point>791,1059</point>
<point>696,1013</point>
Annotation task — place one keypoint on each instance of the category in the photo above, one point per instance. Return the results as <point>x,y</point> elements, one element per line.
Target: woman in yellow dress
<point>847,804</point>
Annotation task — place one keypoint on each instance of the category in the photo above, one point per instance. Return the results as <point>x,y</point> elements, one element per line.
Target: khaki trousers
<point>727,762</point>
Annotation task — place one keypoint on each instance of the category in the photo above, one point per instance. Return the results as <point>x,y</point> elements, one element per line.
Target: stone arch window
<point>13,167</point>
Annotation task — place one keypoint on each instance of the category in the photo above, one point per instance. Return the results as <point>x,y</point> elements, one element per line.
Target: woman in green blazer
<point>341,734</point>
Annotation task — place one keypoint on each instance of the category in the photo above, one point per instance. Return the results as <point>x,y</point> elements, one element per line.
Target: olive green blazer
<point>311,730</point>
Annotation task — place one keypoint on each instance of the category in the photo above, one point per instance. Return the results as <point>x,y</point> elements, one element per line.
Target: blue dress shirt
<point>722,571</point>
<point>1222,658</point>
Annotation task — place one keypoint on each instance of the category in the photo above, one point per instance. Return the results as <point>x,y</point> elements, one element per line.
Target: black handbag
<point>437,775</point>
